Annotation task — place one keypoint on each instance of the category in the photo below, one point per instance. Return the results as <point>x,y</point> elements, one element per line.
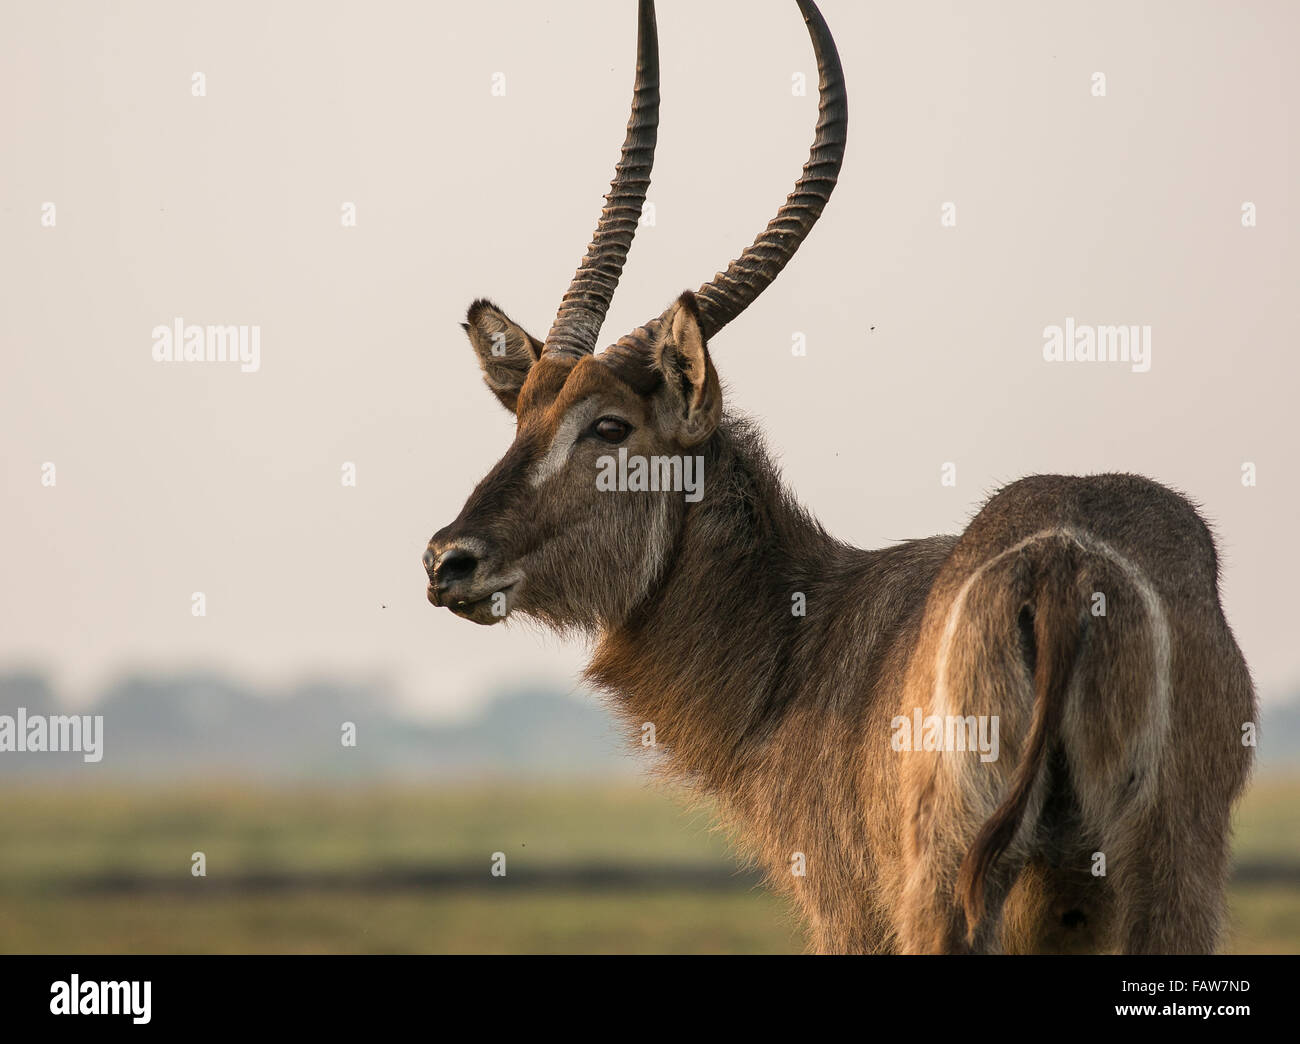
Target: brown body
<point>776,663</point>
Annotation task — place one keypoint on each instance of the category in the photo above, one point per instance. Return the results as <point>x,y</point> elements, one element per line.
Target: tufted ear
<point>506,351</point>
<point>691,388</point>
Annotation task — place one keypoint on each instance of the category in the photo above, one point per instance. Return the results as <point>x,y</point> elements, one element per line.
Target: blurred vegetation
<point>316,871</point>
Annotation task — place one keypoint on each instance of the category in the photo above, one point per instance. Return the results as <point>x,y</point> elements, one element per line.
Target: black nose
<point>453,566</point>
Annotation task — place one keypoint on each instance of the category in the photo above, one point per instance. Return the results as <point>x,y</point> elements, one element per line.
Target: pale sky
<point>226,209</point>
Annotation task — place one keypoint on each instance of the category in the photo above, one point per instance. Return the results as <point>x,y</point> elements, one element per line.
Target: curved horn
<point>582,311</point>
<point>731,292</point>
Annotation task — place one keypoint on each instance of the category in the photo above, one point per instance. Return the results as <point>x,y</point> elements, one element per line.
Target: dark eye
<point>611,429</point>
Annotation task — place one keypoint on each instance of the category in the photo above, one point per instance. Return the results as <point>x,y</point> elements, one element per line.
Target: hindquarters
<point>1101,822</point>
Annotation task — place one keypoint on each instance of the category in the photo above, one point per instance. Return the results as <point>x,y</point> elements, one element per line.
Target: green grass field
<point>305,871</point>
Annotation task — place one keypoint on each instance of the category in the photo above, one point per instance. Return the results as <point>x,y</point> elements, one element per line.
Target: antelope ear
<point>691,385</point>
<point>506,351</point>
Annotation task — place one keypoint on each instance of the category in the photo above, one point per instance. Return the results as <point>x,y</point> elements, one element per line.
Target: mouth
<point>487,608</point>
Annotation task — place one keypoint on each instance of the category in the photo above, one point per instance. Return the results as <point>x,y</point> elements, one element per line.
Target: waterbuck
<point>1024,738</point>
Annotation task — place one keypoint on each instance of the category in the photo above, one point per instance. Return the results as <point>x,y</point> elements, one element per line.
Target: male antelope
<point>1120,733</point>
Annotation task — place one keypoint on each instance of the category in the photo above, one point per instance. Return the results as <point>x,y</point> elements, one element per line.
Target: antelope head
<point>541,534</point>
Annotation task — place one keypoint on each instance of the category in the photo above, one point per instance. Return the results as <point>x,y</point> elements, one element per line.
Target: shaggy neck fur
<point>706,655</point>
<point>784,718</point>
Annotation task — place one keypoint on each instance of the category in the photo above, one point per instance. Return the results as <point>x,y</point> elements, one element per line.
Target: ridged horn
<point>731,292</point>
<point>582,310</point>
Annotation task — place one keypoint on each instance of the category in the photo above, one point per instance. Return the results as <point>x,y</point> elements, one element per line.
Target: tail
<point>1056,634</point>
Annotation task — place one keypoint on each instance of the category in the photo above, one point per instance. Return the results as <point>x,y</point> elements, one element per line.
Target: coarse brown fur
<point>781,669</point>
<point>787,719</point>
